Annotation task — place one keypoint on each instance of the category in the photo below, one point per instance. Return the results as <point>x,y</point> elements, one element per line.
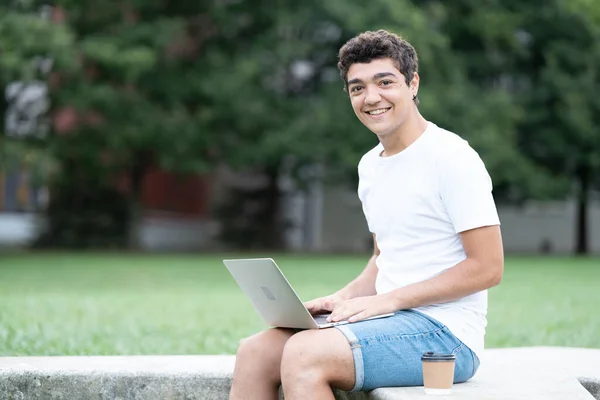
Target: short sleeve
<point>363,185</point>
<point>365,181</point>
<point>466,190</point>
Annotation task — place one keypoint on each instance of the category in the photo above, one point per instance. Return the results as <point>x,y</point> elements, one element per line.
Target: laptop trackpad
<point>321,318</point>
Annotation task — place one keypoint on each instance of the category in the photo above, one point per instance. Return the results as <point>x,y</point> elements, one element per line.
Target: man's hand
<point>361,308</point>
<point>323,304</point>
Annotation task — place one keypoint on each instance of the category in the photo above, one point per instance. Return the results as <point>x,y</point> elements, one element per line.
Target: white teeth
<point>377,112</point>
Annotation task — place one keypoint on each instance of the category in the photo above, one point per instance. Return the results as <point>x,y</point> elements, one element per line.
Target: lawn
<point>67,304</point>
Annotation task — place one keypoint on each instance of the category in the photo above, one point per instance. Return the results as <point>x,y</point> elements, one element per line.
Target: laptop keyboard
<point>321,318</point>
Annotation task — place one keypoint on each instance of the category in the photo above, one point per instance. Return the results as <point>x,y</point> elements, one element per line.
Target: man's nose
<point>372,96</point>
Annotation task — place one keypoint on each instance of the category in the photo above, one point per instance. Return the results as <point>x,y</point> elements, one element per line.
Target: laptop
<point>273,296</point>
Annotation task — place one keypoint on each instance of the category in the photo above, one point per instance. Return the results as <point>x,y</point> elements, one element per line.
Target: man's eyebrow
<point>353,81</point>
<point>382,75</point>
<point>377,76</point>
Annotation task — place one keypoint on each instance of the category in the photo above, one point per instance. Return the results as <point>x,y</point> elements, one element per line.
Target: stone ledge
<point>515,373</point>
<point>523,373</point>
<point>116,377</point>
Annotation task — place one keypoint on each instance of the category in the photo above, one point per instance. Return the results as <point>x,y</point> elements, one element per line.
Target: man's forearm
<point>465,278</point>
<point>364,284</point>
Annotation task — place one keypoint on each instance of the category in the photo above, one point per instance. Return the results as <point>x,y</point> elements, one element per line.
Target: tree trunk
<point>136,176</point>
<point>273,222</point>
<point>581,229</point>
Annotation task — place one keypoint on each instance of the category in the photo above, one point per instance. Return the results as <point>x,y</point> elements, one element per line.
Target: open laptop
<point>273,296</point>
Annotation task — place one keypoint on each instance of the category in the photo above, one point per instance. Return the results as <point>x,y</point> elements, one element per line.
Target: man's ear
<point>414,85</point>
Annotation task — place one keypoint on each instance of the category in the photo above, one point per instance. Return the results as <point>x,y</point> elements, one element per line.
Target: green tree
<point>190,85</point>
<point>289,100</point>
<point>27,39</point>
<point>545,54</point>
<point>562,133</point>
<point>123,99</point>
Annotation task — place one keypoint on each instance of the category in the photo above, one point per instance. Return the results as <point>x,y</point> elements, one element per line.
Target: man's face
<point>380,97</point>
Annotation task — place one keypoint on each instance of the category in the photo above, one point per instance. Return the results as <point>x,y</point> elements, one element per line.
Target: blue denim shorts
<point>387,351</point>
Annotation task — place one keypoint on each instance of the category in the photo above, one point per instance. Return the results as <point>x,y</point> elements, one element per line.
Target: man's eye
<point>386,82</point>
<point>355,89</point>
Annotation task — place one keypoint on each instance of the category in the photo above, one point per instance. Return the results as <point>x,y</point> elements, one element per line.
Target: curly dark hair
<point>372,45</point>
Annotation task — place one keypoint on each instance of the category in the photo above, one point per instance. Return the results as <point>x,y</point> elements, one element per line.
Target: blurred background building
<point>176,218</point>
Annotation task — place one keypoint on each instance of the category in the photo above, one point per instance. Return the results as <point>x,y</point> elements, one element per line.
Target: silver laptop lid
<point>270,293</point>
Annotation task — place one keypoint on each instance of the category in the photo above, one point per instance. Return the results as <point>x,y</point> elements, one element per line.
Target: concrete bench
<point>515,373</point>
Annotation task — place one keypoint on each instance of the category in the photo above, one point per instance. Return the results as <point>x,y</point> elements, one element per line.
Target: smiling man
<point>427,198</point>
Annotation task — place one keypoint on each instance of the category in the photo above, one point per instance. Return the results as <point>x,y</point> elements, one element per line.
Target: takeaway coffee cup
<point>438,372</point>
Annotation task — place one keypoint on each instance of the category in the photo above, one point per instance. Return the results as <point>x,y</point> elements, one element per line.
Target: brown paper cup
<point>438,373</point>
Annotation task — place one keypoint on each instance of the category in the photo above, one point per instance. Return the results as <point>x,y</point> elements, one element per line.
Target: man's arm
<point>364,284</point>
<point>483,268</point>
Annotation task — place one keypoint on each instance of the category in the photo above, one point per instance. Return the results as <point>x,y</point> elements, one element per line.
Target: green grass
<point>67,304</point>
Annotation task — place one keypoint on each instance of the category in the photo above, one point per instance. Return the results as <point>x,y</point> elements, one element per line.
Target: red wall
<point>164,191</point>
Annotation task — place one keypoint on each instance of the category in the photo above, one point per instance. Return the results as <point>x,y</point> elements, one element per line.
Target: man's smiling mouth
<point>378,111</point>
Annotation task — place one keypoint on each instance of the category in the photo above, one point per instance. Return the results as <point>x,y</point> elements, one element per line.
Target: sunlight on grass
<point>67,304</point>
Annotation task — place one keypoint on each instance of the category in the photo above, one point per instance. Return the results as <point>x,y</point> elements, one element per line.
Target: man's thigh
<point>387,352</point>
<point>325,352</point>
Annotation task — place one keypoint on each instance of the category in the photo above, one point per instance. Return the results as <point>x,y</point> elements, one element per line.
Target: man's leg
<point>313,362</point>
<point>387,351</point>
<point>257,366</point>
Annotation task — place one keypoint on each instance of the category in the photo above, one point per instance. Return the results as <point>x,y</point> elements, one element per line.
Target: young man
<point>427,198</point>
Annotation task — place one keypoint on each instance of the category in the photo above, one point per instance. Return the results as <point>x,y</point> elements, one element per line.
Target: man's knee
<point>266,346</point>
<point>302,355</point>
<point>252,346</point>
<point>318,356</point>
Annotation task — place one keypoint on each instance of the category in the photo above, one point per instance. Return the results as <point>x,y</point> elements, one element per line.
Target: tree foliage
<point>545,54</point>
<point>192,85</point>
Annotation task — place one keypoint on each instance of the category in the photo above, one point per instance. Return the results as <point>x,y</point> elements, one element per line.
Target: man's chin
<point>381,132</point>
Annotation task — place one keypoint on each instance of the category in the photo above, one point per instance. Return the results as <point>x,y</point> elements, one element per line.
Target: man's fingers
<point>313,308</point>
<point>339,311</point>
<point>359,317</point>
<point>322,304</point>
<point>335,314</point>
<point>342,314</point>
<point>328,305</point>
<point>315,305</point>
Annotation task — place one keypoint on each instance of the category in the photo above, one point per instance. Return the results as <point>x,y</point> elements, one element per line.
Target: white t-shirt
<point>417,202</point>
